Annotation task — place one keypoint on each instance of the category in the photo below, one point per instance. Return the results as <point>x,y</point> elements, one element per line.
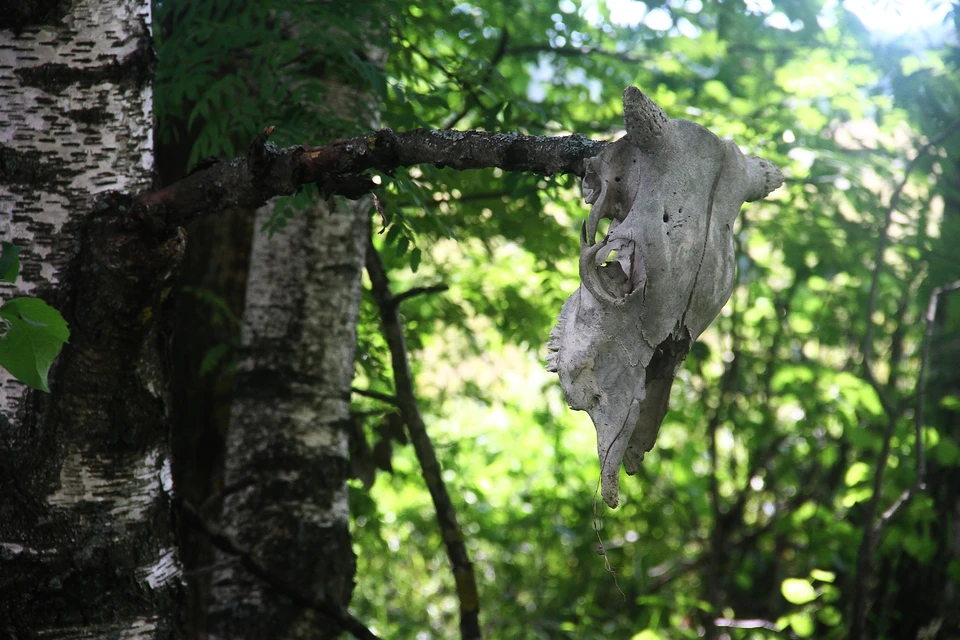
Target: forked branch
<point>450,530</point>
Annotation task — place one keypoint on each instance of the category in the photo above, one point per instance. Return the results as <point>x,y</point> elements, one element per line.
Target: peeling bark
<point>86,544</point>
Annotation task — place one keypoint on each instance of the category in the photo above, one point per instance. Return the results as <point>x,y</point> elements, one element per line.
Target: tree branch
<point>872,530</point>
<point>494,61</point>
<point>718,557</point>
<point>338,168</point>
<point>575,52</point>
<point>225,543</point>
<point>416,291</point>
<point>919,484</point>
<point>376,395</point>
<point>728,623</point>
<point>406,399</point>
<point>864,575</point>
<point>867,346</point>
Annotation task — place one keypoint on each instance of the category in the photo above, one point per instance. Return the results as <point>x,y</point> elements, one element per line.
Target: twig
<point>868,544</point>
<point>465,87</point>
<point>415,291</point>
<point>867,347</point>
<point>376,395</point>
<point>662,579</point>
<point>209,569</point>
<point>874,530</point>
<point>467,197</point>
<point>919,483</point>
<point>860,600</point>
<point>217,496</point>
<point>574,52</point>
<point>746,624</point>
<point>494,61</point>
<point>450,530</point>
<point>225,543</point>
<point>718,557</point>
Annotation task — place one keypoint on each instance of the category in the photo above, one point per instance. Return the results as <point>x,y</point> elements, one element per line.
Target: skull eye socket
<point>591,187</point>
<point>611,258</point>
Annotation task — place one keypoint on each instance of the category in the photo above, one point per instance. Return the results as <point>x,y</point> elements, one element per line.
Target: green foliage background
<point>753,503</point>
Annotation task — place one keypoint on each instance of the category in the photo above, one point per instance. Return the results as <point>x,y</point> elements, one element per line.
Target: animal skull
<point>671,190</point>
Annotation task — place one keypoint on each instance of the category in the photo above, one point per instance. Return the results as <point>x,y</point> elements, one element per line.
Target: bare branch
<point>663,576</point>
<point>218,496</point>
<point>746,624</point>
<point>718,556</point>
<point>867,346</point>
<point>874,529</point>
<point>575,52</point>
<point>416,291</point>
<point>338,168</point>
<point>376,395</point>
<point>864,575</point>
<point>919,483</point>
<point>406,399</point>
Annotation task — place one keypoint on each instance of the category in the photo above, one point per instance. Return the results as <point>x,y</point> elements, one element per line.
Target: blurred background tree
<point>792,427</point>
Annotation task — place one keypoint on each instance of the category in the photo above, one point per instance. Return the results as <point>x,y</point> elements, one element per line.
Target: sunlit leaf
<point>951,402</point>
<point>856,473</point>
<point>798,591</point>
<point>802,624</point>
<point>823,576</point>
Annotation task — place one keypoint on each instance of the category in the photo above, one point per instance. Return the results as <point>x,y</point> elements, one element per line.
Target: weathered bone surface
<point>671,190</point>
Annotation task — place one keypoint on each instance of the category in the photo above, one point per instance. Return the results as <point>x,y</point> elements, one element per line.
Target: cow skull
<point>671,190</point>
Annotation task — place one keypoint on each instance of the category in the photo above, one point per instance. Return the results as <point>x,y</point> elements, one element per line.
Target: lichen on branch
<point>340,167</point>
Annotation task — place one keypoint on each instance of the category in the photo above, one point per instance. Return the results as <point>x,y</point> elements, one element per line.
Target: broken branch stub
<point>671,190</point>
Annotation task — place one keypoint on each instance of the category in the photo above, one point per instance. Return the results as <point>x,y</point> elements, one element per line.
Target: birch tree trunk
<point>288,433</point>
<point>287,442</point>
<point>86,544</point>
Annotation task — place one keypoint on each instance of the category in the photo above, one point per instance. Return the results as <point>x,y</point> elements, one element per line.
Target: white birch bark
<point>86,549</point>
<point>288,434</point>
<point>75,122</point>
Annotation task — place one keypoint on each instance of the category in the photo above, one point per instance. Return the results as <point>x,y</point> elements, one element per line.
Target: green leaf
<point>830,616</point>
<point>34,335</point>
<point>802,624</point>
<point>402,246</point>
<point>856,474</point>
<point>415,256</point>
<point>823,576</point>
<point>9,262</point>
<point>949,402</point>
<point>212,358</point>
<point>853,496</point>
<point>947,452</point>
<point>798,591</point>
